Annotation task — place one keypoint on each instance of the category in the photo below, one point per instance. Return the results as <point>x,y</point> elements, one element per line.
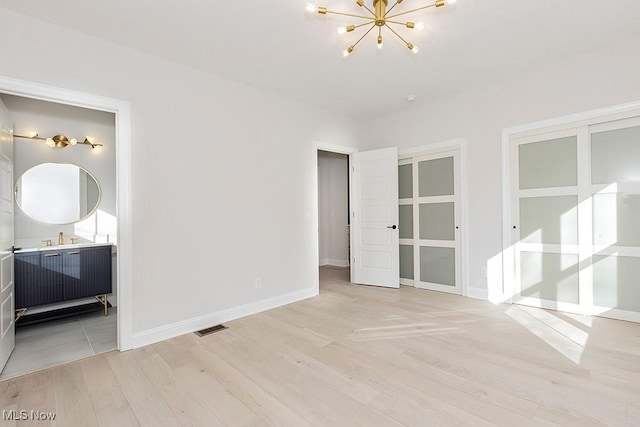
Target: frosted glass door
<point>615,188</point>
<point>545,220</point>
<point>437,222</point>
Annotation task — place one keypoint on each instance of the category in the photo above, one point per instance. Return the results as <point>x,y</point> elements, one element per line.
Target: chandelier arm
<point>370,11</point>
<point>390,9</point>
<point>394,32</point>
<point>348,14</point>
<point>362,25</point>
<point>363,36</point>
<point>404,24</point>
<point>412,10</point>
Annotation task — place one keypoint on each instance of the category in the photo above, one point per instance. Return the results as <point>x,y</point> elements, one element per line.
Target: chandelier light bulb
<point>380,43</point>
<point>347,51</point>
<point>73,141</point>
<point>33,134</point>
<point>419,26</point>
<point>451,1</point>
<point>341,30</point>
<point>50,142</point>
<point>311,8</point>
<point>415,50</point>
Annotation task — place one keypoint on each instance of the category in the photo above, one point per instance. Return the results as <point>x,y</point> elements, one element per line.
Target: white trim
<point>122,111</point>
<point>618,187</point>
<point>549,305</point>
<point>623,251</point>
<point>478,293</point>
<point>616,313</point>
<point>332,148</point>
<point>549,248</point>
<point>548,192</point>
<point>578,119</point>
<point>335,262</point>
<point>434,148</point>
<point>151,336</point>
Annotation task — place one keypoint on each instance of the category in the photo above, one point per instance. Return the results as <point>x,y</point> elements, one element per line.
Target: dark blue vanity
<point>63,273</point>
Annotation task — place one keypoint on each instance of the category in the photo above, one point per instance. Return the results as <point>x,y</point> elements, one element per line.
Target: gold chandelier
<point>379,17</point>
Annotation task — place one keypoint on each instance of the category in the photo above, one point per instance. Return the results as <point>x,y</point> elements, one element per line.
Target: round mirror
<point>57,193</point>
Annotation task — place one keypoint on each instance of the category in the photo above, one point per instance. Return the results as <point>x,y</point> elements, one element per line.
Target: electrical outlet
<point>258,283</point>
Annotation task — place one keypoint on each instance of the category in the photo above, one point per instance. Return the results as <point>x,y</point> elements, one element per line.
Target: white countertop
<point>63,247</point>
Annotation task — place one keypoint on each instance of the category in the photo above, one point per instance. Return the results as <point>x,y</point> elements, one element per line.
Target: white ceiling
<point>277,46</point>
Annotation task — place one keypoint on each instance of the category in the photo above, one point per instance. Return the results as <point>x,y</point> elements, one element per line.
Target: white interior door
<point>7,300</point>
<point>376,246</point>
<point>615,195</point>
<point>575,204</point>
<point>545,201</point>
<point>430,222</point>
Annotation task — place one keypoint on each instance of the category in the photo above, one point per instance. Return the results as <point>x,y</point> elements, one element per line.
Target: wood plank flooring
<point>358,356</point>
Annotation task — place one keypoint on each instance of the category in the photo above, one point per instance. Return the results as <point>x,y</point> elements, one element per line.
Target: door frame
<point>578,120</point>
<point>337,149</point>
<point>122,111</point>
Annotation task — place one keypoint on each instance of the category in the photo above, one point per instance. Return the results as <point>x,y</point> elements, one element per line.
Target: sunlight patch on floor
<point>562,336</point>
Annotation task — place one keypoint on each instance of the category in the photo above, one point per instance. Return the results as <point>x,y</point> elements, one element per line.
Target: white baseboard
<point>335,262</point>
<point>151,336</point>
<point>478,293</point>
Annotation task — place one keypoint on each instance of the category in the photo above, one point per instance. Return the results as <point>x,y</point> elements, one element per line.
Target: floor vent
<point>211,330</point>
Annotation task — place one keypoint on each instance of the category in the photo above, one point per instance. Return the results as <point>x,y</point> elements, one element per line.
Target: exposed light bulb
<point>415,50</point>
<point>380,45</point>
<point>311,8</point>
<point>73,141</point>
<point>379,42</point>
<point>341,30</point>
<point>451,1</point>
<point>33,134</point>
<point>89,139</point>
<point>419,26</point>
<point>50,142</point>
<point>347,51</point>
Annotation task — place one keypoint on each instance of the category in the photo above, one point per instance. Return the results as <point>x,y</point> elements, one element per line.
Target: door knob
<point>393,227</point>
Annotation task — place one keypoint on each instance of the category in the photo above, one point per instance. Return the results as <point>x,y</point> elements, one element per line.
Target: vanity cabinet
<point>55,275</point>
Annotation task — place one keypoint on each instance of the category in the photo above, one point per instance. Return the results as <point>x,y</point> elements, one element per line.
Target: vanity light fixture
<point>380,16</point>
<point>60,141</point>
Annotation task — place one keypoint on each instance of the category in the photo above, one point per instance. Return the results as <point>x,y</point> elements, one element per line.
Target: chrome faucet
<point>60,238</point>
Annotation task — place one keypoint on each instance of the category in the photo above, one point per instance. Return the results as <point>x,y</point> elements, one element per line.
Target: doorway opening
<point>121,267</point>
<point>64,233</point>
<point>333,215</point>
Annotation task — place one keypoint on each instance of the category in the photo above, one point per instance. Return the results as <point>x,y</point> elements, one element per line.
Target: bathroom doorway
<point>66,327</point>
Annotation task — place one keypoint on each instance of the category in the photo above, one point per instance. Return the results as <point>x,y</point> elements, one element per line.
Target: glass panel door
<point>405,194</point>
<point>545,220</point>
<point>615,189</point>
<point>437,222</point>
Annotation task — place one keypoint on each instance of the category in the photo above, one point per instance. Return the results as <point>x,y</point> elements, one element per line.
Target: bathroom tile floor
<point>60,341</point>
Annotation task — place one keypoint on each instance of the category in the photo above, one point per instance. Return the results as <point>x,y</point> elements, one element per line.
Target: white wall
<point>222,173</point>
<point>333,205</point>
<point>598,79</point>
<point>51,119</point>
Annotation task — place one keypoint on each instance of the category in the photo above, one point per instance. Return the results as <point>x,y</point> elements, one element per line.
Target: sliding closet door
<point>430,247</point>
<point>615,187</point>
<point>544,229</point>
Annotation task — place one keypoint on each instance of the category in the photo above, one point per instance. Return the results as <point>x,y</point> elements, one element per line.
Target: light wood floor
<point>359,356</point>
